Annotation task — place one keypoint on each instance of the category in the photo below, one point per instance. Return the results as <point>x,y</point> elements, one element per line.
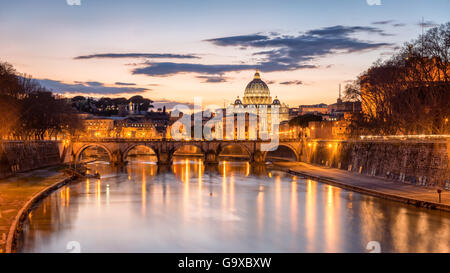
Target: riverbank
<point>17,196</point>
<point>379,187</point>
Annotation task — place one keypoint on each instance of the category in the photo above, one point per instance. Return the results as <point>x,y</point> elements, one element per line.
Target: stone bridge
<point>118,149</point>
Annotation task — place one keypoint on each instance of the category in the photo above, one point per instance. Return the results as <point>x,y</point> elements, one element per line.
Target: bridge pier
<point>117,159</point>
<point>164,159</point>
<point>258,169</point>
<point>258,158</point>
<point>163,168</point>
<point>211,157</point>
<point>212,168</point>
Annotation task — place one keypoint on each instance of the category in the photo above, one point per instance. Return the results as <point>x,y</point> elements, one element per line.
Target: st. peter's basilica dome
<point>257,92</point>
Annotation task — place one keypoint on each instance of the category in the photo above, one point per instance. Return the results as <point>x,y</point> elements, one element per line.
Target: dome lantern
<point>257,76</point>
<point>276,101</point>
<point>238,101</point>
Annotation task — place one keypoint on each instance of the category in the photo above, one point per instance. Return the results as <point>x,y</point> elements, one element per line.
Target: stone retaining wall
<point>424,163</point>
<point>22,156</point>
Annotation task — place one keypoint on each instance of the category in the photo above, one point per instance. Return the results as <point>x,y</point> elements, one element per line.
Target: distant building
<point>98,127</point>
<point>161,121</point>
<point>340,109</point>
<point>256,99</point>
<point>123,127</point>
<point>316,109</point>
<point>133,127</point>
<point>287,131</point>
<point>328,129</point>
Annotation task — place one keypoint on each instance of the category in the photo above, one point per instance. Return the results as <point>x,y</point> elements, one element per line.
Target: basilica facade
<point>257,94</point>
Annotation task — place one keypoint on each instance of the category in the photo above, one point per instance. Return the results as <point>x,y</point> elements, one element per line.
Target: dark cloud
<point>125,83</point>
<point>137,55</point>
<point>88,88</point>
<point>382,22</point>
<point>168,68</point>
<point>241,40</point>
<point>287,52</point>
<point>427,24</point>
<point>277,52</point>
<point>388,22</point>
<point>93,83</point>
<point>343,31</point>
<point>292,83</point>
<point>212,79</point>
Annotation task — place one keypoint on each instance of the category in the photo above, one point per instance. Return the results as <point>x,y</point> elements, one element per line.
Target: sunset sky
<point>174,50</point>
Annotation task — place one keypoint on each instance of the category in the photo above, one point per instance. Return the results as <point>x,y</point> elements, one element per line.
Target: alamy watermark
<point>73,2</point>
<point>373,2</point>
<point>373,247</point>
<point>73,247</point>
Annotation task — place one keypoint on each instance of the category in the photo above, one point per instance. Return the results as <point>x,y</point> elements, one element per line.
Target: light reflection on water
<point>233,207</point>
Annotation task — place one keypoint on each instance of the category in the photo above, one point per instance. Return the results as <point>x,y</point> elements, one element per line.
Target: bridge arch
<point>132,147</point>
<point>178,146</point>
<point>91,145</point>
<point>285,145</point>
<point>228,145</point>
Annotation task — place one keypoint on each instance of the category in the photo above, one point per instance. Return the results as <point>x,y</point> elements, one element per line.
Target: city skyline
<point>217,133</point>
<point>205,49</point>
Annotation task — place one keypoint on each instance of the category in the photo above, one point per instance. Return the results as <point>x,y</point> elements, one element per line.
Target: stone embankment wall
<point>419,162</point>
<point>21,156</point>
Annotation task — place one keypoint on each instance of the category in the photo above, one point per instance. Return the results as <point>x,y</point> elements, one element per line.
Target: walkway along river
<point>189,207</point>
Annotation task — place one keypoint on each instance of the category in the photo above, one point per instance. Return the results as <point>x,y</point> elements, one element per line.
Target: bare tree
<point>410,92</point>
<point>30,111</point>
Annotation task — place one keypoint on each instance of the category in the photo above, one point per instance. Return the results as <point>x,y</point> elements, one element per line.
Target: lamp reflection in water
<point>231,192</point>
<point>224,187</point>
<point>200,185</point>
<point>144,192</point>
<point>260,210</point>
<point>87,188</point>
<point>310,214</point>
<point>278,211</point>
<point>330,225</point>
<point>294,205</point>
<point>98,192</point>
<point>107,195</point>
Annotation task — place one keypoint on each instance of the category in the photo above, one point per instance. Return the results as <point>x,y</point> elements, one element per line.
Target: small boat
<point>81,172</point>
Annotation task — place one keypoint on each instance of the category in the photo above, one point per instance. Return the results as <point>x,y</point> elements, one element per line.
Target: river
<point>232,207</point>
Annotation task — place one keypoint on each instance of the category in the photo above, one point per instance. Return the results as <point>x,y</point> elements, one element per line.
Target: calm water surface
<point>230,208</point>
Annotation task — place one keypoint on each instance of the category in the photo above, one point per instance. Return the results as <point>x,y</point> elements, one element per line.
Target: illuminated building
<point>316,109</point>
<point>256,100</point>
<point>328,129</point>
<point>136,128</point>
<point>106,127</point>
<point>99,127</point>
<point>342,109</point>
<point>257,94</point>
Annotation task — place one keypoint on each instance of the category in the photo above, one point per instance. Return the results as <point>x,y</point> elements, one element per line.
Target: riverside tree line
<point>409,93</point>
<point>29,111</point>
